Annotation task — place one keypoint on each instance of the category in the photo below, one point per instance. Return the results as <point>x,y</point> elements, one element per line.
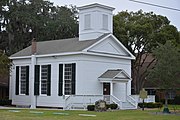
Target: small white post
<point>111,91</point>
<point>111,88</point>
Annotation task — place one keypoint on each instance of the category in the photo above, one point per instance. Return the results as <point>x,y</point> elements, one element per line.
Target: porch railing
<point>116,101</point>
<point>82,101</point>
<point>132,101</point>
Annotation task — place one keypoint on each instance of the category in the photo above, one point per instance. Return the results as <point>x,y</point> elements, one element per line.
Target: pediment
<point>110,46</point>
<point>118,75</point>
<point>122,75</point>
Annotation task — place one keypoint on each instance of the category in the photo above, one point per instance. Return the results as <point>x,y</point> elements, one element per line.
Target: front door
<point>106,92</point>
<point>106,88</point>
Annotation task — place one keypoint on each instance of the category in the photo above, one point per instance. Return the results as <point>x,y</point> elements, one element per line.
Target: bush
<point>159,105</point>
<point>151,105</point>
<point>91,107</point>
<point>5,102</point>
<point>141,105</point>
<point>113,106</point>
<point>108,106</point>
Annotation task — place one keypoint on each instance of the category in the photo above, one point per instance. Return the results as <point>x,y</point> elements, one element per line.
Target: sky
<point>122,5</point>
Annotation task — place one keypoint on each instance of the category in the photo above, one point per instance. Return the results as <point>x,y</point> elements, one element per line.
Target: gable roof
<point>69,46</point>
<point>96,5</point>
<point>118,75</point>
<point>57,46</point>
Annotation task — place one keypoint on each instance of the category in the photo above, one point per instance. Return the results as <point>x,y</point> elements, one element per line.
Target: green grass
<point>41,114</point>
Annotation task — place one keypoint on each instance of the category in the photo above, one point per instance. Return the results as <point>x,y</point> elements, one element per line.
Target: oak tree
<point>140,32</point>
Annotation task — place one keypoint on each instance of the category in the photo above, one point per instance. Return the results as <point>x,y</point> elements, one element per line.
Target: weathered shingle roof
<point>59,46</point>
<point>114,74</point>
<point>110,74</point>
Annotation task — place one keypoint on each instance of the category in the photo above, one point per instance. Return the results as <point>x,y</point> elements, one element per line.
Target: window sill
<point>43,95</point>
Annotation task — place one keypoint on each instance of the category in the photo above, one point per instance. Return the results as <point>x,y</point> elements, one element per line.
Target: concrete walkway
<point>10,107</point>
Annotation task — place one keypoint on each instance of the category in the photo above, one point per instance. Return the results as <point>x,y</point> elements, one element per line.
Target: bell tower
<point>94,20</point>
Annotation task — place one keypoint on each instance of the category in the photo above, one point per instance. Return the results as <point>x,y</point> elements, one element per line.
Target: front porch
<point>82,101</point>
<point>112,81</point>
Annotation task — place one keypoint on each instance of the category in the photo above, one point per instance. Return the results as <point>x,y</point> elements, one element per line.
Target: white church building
<point>75,72</point>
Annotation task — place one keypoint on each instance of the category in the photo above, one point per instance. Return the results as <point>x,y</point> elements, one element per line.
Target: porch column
<point>126,91</point>
<point>32,97</point>
<point>111,88</point>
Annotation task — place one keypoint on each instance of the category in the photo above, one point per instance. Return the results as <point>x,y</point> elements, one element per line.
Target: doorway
<point>106,92</point>
<point>106,88</point>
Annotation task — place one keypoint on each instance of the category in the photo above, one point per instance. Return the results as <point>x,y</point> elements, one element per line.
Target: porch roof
<point>118,75</point>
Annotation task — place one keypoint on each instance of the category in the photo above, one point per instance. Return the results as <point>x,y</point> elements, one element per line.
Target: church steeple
<point>94,21</point>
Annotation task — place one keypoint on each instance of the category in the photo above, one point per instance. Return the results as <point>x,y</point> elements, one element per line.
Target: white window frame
<point>70,79</point>
<point>40,81</point>
<point>20,81</point>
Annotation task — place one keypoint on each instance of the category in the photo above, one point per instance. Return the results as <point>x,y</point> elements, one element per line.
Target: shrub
<point>91,107</point>
<point>151,105</point>
<point>141,105</point>
<point>5,102</point>
<point>113,106</point>
<point>158,105</point>
<point>108,106</point>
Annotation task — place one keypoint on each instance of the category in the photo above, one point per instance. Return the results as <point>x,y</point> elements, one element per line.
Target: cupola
<point>95,20</point>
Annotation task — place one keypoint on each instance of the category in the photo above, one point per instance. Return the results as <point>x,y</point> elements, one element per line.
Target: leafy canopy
<point>22,20</point>
<point>166,73</point>
<point>140,32</point>
<point>4,64</point>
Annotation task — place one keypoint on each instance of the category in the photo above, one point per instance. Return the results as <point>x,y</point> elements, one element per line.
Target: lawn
<point>42,114</point>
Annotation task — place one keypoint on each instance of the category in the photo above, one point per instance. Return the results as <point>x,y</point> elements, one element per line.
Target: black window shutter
<point>73,79</point>
<point>27,80</point>
<point>60,80</point>
<point>36,80</point>
<point>49,81</point>
<point>17,80</point>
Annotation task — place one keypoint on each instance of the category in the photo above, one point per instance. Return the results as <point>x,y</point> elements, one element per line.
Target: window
<point>42,82</point>
<point>68,79</point>
<point>87,21</point>
<point>44,79</point>
<point>105,22</point>
<point>22,80</point>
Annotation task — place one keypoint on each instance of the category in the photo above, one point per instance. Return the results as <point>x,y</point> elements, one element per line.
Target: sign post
<point>143,95</point>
